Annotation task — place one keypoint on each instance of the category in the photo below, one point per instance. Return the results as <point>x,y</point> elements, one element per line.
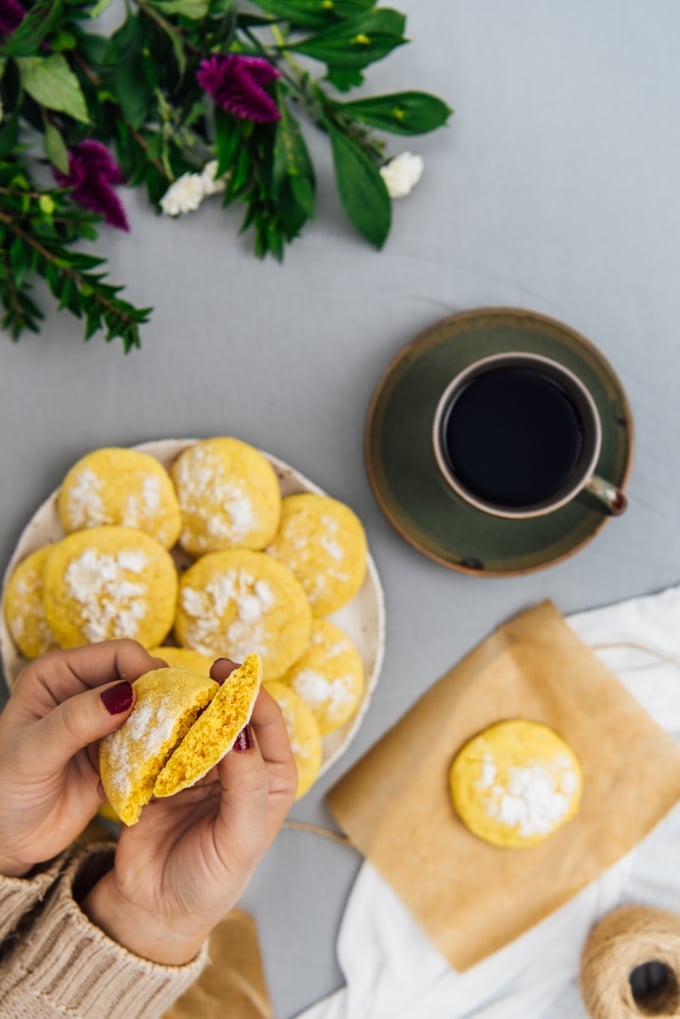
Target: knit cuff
<point>73,965</point>
<point>18,895</point>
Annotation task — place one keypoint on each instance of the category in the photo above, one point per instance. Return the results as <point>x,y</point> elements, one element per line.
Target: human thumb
<point>81,720</point>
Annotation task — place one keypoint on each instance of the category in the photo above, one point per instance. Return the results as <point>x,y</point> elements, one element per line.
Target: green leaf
<point>52,83</point>
<point>125,41</point>
<point>55,148</point>
<point>303,192</point>
<point>291,157</point>
<point>344,79</point>
<point>227,141</point>
<point>178,50</point>
<point>300,13</point>
<point>218,8</point>
<point>92,47</point>
<point>362,190</point>
<point>224,26</point>
<point>38,23</point>
<point>399,112</point>
<point>63,41</point>
<point>293,174</point>
<point>18,260</point>
<point>92,321</point>
<point>132,89</point>
<point>314,13</point>
<point>346,8</point>
<point>240,176</point>
<point>9,135</point>
<point>357,41</point>
<point>196,10</point>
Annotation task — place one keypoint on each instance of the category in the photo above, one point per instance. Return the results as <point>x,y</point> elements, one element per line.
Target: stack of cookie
<point>202,561</point>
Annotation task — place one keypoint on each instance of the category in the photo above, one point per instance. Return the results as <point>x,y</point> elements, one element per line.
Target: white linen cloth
<point>391,969</point>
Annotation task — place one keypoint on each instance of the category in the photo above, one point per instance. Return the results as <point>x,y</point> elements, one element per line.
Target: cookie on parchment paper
<point>516,783</point>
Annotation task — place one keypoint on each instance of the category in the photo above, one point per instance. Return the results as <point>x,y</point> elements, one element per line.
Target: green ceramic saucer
<point>403,471</point>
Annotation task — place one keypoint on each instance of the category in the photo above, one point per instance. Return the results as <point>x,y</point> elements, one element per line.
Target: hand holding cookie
<point>185,863</point>
<point>62,704</point>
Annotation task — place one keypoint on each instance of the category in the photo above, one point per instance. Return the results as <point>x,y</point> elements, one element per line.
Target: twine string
<point>630,968</point>
<point>316,829</point>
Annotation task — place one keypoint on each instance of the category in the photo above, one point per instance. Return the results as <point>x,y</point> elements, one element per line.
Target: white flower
<point>188,191</point>
<point>184,195</point>
<point>211,185</point>
<point>402,174</point>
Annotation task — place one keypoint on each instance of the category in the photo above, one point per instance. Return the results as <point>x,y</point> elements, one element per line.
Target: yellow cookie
<point>120,487</point>
<point>303,732</point>
<point>184,658</point>
<point>229,496</point>
<point>24,611</point>
<point>231,603</point>
<point>107,582</point>
<point>167,703</point>
<point>329,677</point>
<point>323,542</point>
<point>214,732</point>
<point>516,783</point>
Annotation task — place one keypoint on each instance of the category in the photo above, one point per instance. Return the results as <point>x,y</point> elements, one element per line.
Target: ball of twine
<point>630,967</point>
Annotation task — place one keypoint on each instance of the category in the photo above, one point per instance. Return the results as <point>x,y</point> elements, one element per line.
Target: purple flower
<point>92,171</point>
<point>11,16</point>
<point>236,83</point>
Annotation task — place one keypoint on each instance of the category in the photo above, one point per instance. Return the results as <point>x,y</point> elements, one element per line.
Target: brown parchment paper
<point>469,897</point>
<point>232,984</point>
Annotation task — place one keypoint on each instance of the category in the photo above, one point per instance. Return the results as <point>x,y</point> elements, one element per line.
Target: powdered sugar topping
<point>31,611</point>
<point>141,737</point>
<point>84,504</point>
<point>202,482</point>
<point>143,501</point>
<point>230,613</point>
<point>318,691</point>
<point>535,797</point>
<point>110,603</point>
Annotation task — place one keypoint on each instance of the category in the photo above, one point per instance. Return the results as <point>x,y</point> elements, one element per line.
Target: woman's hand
<point>62,704</point>
<point>184,865</point>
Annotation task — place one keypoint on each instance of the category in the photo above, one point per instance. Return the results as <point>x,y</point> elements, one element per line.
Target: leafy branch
<point>187,98</point>
<point>36,228</point>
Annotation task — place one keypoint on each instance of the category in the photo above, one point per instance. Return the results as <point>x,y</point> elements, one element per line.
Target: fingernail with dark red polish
<point>118,698</point>
<point>244,740</point>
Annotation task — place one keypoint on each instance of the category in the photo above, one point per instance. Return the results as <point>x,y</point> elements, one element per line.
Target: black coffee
<point>512,436</point>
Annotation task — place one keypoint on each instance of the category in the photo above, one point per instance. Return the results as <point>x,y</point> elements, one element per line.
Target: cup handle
<point>604,496</point>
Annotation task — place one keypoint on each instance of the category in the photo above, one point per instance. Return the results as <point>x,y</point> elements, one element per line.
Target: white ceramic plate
<point>362,619</point>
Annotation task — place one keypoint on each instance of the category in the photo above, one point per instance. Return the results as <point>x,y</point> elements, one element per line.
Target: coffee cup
<point>518,435</point>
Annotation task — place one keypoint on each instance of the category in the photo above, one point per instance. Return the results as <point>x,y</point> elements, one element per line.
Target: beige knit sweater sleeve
<point>55,963</point>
